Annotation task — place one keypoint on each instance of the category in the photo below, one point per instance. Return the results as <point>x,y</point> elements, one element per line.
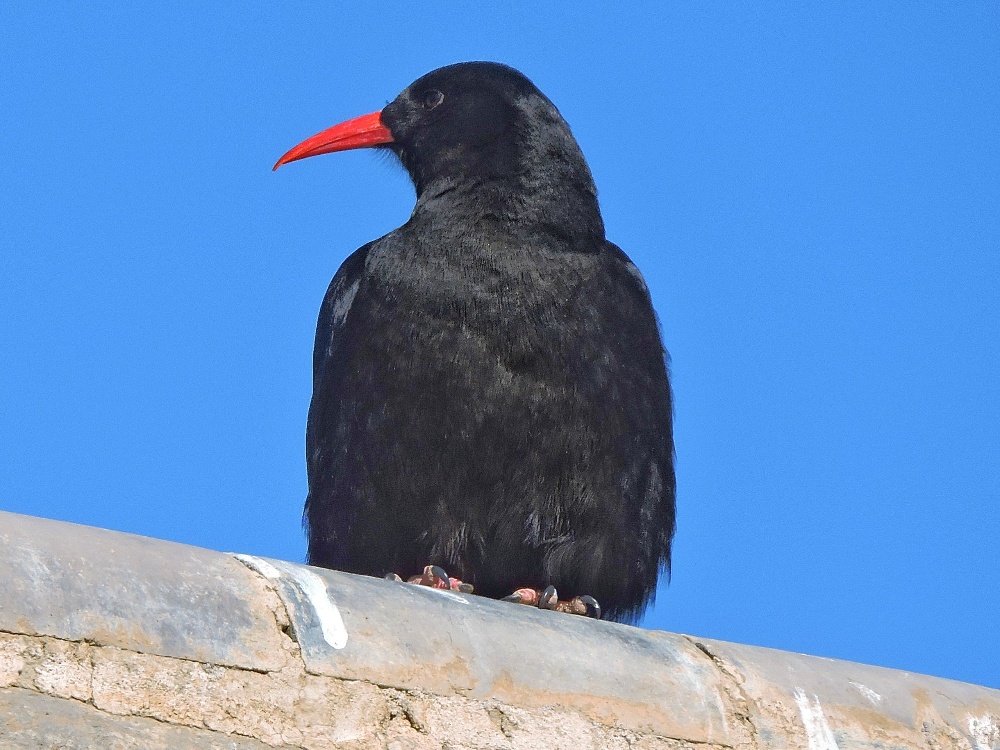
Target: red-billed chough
<point>490,392</point>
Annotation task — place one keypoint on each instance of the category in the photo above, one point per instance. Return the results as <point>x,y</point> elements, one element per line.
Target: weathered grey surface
<point>81,583</point>
<point>798,701</point>
<point>109,638</point>
<point>32,721</point>
<point>414,637</point>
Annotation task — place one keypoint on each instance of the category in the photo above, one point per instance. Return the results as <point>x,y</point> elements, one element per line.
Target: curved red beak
<point>361,132</point>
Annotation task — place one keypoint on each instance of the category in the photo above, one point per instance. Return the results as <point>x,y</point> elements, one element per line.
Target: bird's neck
<point>518,204</point>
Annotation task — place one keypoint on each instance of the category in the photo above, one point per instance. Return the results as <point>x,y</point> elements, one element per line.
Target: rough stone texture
<point>32,721</point>
<point>105,687</point>
<point>318,660</point>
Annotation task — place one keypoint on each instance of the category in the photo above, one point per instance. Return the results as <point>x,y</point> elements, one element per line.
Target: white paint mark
<point>985,731</point>
<point>313,588</point>
<point>818,731</point>
<point>261,566</point>
<point>866,691</point>
<point>331,623</point>
<point>447,594</point>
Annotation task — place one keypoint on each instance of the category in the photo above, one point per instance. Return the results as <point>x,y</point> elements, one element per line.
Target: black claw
<point>438,572</point>
<point>515,597</point>
<point>593,608</point>
<point>549,598</point>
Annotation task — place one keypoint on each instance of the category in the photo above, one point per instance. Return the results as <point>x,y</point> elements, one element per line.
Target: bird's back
<point>495,406</point>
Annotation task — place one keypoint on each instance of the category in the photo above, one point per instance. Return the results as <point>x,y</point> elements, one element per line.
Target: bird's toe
<point>585,605</point>
<point>435,577</point>
<point>439,578</point>
<point>548,598</point>
<point>524,596</point>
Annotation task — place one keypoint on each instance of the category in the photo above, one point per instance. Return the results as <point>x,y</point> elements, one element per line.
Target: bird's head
<point>475,121</point>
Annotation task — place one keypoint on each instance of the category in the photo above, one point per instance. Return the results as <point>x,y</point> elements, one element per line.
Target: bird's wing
<point>653,467</point>
<point>336,306</point>
<point>621,258</point>
<point>330,342</point>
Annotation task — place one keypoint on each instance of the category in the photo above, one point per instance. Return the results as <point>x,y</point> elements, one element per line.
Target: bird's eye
<point>432,98</point>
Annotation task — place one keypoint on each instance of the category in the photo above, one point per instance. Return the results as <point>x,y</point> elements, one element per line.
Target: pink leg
<point>435,577</point>
<point>549,599</point>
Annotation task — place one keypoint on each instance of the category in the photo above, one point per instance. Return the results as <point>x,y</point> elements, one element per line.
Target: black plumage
<point>490,389</point>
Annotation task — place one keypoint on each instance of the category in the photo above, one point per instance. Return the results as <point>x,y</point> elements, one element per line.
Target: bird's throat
<point>513,207</point>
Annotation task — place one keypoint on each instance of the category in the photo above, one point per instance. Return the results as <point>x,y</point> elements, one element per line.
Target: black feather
<point>490,389</point>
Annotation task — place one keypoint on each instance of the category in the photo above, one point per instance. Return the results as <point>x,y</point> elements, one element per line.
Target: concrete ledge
<point>111,640</point>
<point>80,583</point>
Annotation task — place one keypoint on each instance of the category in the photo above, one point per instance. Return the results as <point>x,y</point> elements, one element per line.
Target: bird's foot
<point>549,599</point>
<point>435,577</point>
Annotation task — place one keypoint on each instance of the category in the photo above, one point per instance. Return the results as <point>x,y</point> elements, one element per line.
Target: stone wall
<point>112,641</point>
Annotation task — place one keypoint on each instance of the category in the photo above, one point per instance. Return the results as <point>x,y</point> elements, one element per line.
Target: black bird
<point>490,390</point>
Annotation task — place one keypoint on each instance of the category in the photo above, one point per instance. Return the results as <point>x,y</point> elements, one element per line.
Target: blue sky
<point>810,189</point>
